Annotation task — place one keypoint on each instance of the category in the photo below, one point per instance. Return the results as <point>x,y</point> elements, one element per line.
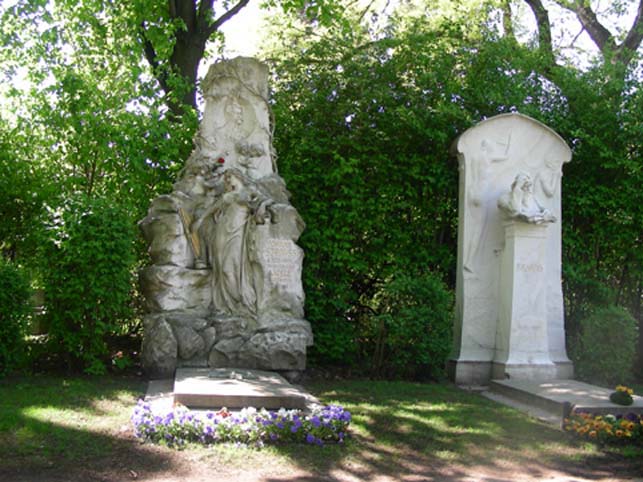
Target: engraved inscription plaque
<point>281,256</point>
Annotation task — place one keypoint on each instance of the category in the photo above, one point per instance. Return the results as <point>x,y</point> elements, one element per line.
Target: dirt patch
<point>132,461</point>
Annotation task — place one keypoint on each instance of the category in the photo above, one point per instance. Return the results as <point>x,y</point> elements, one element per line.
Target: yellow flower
<point>619,433</point>
<point>624,389</point>
<point>592,434</point>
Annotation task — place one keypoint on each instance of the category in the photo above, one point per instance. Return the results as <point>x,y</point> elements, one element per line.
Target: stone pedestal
<point>522,344</point>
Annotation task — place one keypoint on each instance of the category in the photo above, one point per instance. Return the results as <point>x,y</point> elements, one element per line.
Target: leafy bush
<point>336,343</point>
<point>413,326</point>
<point>605,347</point>
<point>88,279</point>
<point>14,308</point>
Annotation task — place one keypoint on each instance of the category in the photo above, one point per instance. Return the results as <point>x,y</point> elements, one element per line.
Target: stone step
<point>553,395</point>
<point>532,410</point>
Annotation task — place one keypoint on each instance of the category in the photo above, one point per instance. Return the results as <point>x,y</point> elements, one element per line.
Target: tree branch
<point>186,11</point>
<point>616,54</point>
<point>544,29</point>
<point>205,6</point>
<point>152,58</point>
<point>507,23</point>
<point>632,42</point>
<point>365,11</point>
<point>226,16</point>
<point>171,4</point>
<point>602,37</point>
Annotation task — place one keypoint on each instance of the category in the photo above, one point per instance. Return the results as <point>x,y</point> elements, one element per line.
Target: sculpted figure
<point>196,193</point>
<point>479,180</point>
<point>520,203</point>
<point>548,180</point>
<point>240,207</point>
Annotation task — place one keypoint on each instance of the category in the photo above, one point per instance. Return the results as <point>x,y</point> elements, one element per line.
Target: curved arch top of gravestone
<point>491,155</point>
<point>224,288</point>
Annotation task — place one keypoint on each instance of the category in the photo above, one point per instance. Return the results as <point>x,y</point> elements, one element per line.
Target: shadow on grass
<point>439,432</point>
<point>54,428</point>
<point>70,429</point>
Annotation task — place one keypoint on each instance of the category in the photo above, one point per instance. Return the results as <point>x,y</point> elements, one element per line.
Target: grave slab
<point>551,396</point>
<point>236,388</point>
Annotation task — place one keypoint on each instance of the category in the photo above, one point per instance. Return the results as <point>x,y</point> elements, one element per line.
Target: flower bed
<point>606,428</point>
<point>248,426</point>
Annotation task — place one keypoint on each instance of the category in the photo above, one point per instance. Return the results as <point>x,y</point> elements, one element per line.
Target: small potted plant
<point>622,395</point>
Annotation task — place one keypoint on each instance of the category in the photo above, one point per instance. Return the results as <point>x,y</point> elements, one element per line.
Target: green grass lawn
<point>81,421</point>
<point>68,418</point>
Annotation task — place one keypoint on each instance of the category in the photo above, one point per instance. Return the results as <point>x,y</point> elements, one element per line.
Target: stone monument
<point>509,303</point>
<point>224,288</point>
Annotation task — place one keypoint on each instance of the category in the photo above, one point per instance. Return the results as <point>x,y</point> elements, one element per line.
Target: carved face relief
<point>239,116</point>
<point>232,182</point>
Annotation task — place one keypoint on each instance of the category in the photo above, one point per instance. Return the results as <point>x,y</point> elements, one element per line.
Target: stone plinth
<point>552,395</point>
<point>522,344</point>
<point>234,388</point>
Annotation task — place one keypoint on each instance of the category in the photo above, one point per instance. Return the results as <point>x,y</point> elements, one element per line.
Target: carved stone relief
<point>510,169</point>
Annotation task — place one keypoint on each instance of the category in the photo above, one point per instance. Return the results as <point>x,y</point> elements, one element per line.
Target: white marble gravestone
<point>509,303</point>
<point>224,288</point>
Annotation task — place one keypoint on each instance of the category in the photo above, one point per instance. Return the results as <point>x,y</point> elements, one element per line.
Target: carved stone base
<point>281,347</point>
<point>469,373</point>
<point>196,339</point>
<point>527,371</point>
<point>564,370</point>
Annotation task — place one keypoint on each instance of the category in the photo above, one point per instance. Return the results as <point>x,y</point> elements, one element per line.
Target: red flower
<point>221,160</point>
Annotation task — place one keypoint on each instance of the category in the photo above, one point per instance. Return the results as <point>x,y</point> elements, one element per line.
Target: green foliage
<point>412,327</point>
<point>104,134</point>
<point>22,193</point>
<point>621,398</point>
<point>363,135</point>
<point>365,118</point>
<point>605,347</point>
<point>14,308</point>
<point>89,278</point>
<point>85,120</point>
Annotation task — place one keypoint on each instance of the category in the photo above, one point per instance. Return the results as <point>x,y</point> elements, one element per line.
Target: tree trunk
<point>186,57</point>
<point>197,26</point>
